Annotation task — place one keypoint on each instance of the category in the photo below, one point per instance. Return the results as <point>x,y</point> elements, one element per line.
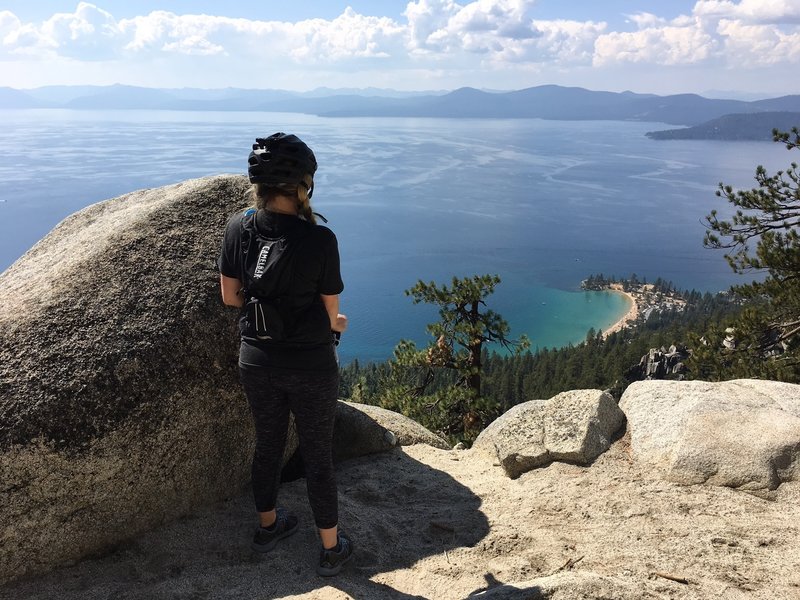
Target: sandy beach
<point>628,317</point>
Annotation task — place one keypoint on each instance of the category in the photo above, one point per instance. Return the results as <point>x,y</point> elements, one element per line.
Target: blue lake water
<point>541,203</point>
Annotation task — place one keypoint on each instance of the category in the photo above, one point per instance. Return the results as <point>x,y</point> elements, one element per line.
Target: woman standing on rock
<point>282,270</point>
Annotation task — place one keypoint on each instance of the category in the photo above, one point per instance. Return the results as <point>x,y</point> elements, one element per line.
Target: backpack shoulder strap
<point>247,228</point>
<point>263,255</point>
<point>247,234</point>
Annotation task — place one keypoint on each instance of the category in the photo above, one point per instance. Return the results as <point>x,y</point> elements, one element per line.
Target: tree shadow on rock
<point>396,509</point>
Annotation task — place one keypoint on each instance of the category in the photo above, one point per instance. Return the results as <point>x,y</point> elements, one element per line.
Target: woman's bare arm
<point>232,292</point>
<point>338,321</point>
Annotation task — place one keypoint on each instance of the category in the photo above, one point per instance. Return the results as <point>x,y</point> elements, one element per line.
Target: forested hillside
<point>736,127</point>
<point>599,362</point>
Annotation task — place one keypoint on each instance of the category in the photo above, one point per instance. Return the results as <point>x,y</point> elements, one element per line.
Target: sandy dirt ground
<point>440,524</point>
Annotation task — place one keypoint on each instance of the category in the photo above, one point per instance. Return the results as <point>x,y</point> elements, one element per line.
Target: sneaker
<point>331,561</point>
<point>284,526</point>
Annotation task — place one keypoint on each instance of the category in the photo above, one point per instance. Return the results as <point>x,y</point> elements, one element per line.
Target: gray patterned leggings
<point>311,396</point>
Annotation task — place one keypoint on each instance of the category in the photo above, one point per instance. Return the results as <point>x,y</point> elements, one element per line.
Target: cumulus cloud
<point>439,30</point>
<point>645,20</point>
<point>426,18</point>
<point>675,43</point>
<point>89,33</point>
<point>166,32</point>
<point>567,41</point>
<point>433,36</point>
<point>754,45</point>
<point>737,34</point>
<point>480,27</point>
<point>754,33</point>
<point>499,31</point>
<point>9,23</point>
<point>347,36</point>
<point>17,38</point>
<point>750,11</point>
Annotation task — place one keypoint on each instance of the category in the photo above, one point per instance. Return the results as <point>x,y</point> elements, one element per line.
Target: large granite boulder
<point>120,406</point>
<point>575,427</point>
<point>363,429</point>
<point>742,434</point>
<point>119,401</point>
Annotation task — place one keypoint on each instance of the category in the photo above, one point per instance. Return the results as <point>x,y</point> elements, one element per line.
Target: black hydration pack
<point>270,311</point>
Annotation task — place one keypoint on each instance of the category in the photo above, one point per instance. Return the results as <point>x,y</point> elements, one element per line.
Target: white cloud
<point>194,45</point>
<point>750,11</point>
<point>732,34</point>
<point>754,33</point>
<point>567,41</point>
<point>500,31</point>
<point>166,32</point>
<point>487,41</point>
<point>17,38</point>
<point>656,43</point>
<point>89,33</point>
<point>482,26</point>
<point>426,18</point>
<point>350,35</point>
<point>754,45</point>
<point>645,20</point>
<point>9,24</point>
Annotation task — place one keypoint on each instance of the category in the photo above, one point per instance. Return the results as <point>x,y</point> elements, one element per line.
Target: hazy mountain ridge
<point>544,102</point>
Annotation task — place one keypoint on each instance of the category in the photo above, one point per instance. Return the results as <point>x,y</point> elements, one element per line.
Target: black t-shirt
<point>315,271</point>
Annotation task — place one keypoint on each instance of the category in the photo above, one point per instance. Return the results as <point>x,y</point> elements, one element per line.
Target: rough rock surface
<point>119,401</point>
<point>574,427</point>
<point>743,434</point>
<point>120,407</point>
<point>661,363</point>
<point>363,429</point>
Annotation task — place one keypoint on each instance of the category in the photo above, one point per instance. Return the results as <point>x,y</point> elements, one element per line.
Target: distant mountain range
<point>753,126</point>
<point>544,102</point>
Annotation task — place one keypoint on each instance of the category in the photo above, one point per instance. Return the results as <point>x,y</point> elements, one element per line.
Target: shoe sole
<point>263,548</point>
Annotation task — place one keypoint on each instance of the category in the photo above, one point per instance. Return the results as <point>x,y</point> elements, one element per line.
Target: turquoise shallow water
<point>553,316</point>
<point>543,204</point>
<point>549,317</point>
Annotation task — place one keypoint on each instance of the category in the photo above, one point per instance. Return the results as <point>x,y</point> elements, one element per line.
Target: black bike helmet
<point>281,159</point>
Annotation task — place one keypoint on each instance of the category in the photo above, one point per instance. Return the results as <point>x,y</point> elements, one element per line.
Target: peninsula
<point>645,298</point>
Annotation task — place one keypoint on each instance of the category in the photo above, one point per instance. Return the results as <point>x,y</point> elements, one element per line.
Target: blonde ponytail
<point>303,202</point>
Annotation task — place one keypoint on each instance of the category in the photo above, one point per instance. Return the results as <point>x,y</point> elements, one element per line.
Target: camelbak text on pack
<point>267,273</point>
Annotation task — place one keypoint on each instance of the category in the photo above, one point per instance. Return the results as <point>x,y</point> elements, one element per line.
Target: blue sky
<point>742,46</point>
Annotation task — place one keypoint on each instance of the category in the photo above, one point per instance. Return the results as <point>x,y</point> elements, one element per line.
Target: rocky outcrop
<point>120,406</point>
<point>119,401</point>
<point>743,434</point>
<point>575,427</point>
<point>661,363</point>
<point>363,429</point>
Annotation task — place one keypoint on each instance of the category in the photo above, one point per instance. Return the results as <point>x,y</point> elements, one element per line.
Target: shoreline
<point>628,317</point>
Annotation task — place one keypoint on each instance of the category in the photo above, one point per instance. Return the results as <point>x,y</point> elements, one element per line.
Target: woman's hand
<point>338,320</point>
<point>341,323</point>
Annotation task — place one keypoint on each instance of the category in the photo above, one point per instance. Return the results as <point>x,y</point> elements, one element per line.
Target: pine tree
<point>456,353</point>
<point>764,340</point>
